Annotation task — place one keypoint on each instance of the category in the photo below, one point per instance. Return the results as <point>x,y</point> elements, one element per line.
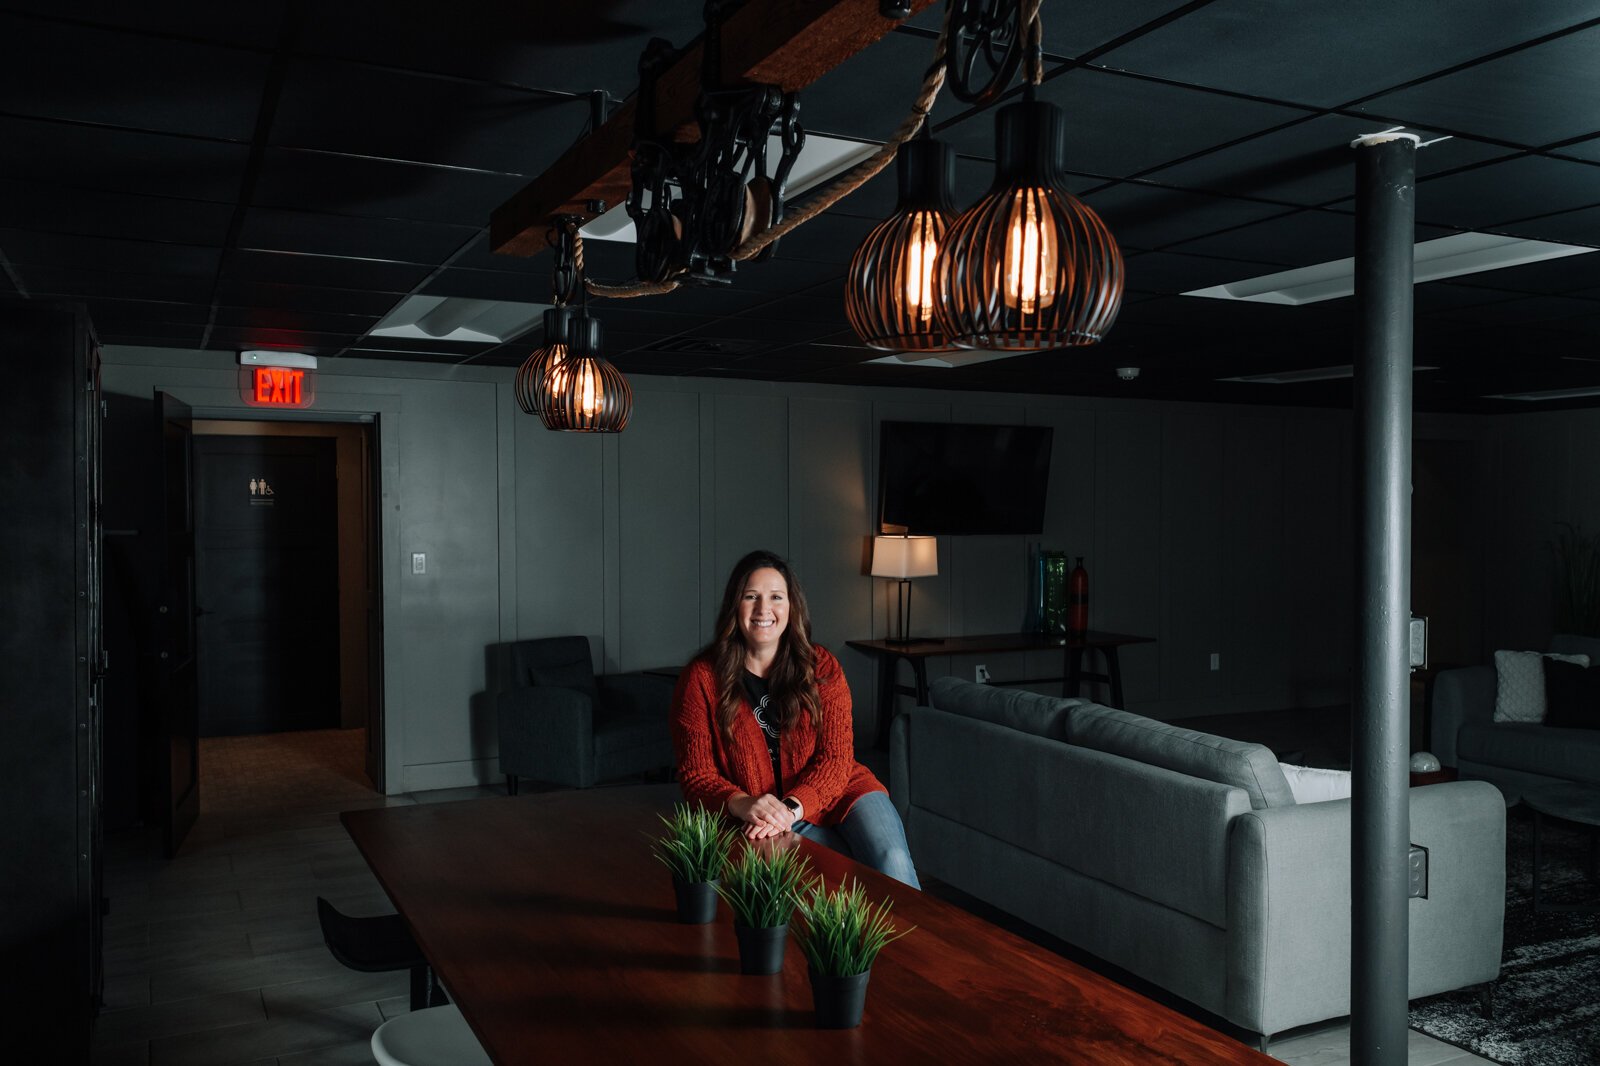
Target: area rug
<point>1547,1001</point>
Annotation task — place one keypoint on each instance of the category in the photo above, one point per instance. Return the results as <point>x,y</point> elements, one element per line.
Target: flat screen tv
<point>951,477</point>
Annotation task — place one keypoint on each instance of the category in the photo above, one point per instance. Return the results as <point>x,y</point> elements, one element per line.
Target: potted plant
<point>695,848</point>
<point>841,933</point>
<point>760,889</point>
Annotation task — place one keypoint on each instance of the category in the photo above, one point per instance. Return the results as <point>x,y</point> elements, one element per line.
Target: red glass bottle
<point>1078,599</point>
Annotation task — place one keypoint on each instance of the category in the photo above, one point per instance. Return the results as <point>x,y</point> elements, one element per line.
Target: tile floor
<point>215,957</point>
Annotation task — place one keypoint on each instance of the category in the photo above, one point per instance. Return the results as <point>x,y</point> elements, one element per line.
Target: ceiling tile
<point>85,157</point>
<point>300,321</point>
<point>1173,272</point>
<point>304,298</point>
<point>106,284</point>
<point>1103,107</point>
<point>1328,54</point>
<point>1532,97</point>
<point>1308,163</point>
<point>1295,240</point>
<point>152,335</point>
<point>125,312</point>
<point>1569,227</point>
<point>248,25</point>
<point>572,48</point>
<point>1072,28</point>
<point>488,285</point>
<point>130,80</point>
<point>227,338</point>
<point>58,209</point>
<point>868,95</point>
<point>877,199</point>
<point>380,188</point>
<point>1499,193</point>
<point>324,271</point>
<point>31,248</point>
<point>424,119</point>
<point>1148,216</point>
<point>272,230</point>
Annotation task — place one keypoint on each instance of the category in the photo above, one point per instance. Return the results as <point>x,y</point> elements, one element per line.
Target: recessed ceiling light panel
<point>1321,373</point>
<point>1446,257</point>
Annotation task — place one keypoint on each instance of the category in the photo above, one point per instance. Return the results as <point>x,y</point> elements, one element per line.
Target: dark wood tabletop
<point>554,929</point>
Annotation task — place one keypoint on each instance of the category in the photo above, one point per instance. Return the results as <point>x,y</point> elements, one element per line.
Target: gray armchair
<point>558,722</point>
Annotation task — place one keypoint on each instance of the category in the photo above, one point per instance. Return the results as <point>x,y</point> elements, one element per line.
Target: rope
<point>869,168</point>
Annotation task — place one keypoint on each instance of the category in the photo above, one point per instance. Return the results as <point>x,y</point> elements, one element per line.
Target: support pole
<point>1380,740</point>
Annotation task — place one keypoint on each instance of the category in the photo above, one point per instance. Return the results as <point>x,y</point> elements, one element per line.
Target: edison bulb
<point>1030,254</point>
<point>921,249</point>
<point>588,389</point>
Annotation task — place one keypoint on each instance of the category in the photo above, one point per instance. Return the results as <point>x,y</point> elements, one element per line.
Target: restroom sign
<point>277,386</point>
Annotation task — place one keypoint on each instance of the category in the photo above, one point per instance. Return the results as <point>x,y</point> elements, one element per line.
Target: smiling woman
<point>761,727</point>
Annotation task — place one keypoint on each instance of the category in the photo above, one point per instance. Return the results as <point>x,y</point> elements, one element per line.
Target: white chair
<point>437,1036</point>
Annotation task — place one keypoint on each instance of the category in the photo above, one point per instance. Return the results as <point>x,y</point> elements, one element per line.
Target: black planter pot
<point>697,900</point>
<point>761,948</point>
<point>838,1000</point>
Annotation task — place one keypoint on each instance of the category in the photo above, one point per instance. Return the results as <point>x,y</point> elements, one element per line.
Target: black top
<point>767,718</point>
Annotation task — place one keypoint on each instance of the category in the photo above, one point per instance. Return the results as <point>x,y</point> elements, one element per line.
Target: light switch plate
<point>419,562</point>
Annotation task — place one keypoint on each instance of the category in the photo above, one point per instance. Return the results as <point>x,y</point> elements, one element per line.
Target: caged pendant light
<point>1029,267</point>
<point>582,392</point>
<point>536,368</point>
<point>889,287</point>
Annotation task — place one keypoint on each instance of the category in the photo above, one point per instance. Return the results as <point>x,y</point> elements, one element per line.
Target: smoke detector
<point>1127,373</point>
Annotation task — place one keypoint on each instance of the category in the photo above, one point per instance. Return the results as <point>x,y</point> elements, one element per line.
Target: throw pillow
<point>1519,684</point>
<point>1311,784</point>
<point>1571,695</point>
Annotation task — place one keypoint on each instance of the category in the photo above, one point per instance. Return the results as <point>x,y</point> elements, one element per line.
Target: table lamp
<point>904,557</point>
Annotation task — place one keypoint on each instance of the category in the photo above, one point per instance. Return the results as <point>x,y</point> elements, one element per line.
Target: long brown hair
<point>792,679</point>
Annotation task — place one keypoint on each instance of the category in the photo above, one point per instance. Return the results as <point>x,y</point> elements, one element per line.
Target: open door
<point>176,690</point>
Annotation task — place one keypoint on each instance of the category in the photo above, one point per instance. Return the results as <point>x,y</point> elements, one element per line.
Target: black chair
<point>560,723</point>
<point>374,945</point>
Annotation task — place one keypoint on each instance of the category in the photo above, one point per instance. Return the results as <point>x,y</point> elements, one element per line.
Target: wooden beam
<point>787,43</point>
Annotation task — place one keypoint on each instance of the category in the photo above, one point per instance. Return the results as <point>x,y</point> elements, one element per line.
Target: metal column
<point>1380,741</point>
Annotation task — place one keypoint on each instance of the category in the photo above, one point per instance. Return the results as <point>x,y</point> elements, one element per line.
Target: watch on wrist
<point>792,803</point>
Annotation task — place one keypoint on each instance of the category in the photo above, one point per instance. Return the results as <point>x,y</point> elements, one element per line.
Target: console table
<point>917,653</point>
<point>554,930</point>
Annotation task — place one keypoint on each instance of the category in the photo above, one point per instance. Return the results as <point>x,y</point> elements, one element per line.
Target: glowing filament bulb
<point>1030,281</point>
<point>920,253</point>
<point>588,389</point>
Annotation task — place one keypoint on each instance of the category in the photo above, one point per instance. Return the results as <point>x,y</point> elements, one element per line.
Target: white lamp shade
<point>903,557</point>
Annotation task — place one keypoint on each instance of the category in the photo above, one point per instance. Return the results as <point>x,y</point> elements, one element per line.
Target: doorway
<point>287,590</point>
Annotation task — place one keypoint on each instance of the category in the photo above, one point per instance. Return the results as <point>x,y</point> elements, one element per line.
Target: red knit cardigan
<point>819,766</point>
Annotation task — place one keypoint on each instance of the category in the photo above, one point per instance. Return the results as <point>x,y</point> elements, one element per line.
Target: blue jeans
<point>871,834</point>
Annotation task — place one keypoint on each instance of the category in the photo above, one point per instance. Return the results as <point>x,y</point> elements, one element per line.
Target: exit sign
<point>277,386</point>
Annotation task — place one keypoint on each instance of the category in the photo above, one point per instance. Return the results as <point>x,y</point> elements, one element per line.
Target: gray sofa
<point>1179,857</point>
<point>1515,756</point>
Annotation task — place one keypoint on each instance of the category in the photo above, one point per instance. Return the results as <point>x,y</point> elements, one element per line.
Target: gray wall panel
<point>451,612</point>
<point>659,528</point>
<point>1125,571</point>
<point>1191,544</point>
<point>1255,654</point>
<point>750,496</point>
<point>559,538</point>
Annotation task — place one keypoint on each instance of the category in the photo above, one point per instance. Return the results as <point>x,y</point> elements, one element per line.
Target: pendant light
<point>889,292</point>
<point>533,371</point>
<point>1029,267</point>
<point>582,392</point>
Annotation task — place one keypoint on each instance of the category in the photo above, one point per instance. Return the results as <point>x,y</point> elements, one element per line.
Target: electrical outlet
<point>980,674</point>
<point>419,562</point>
<point>1216,660</point>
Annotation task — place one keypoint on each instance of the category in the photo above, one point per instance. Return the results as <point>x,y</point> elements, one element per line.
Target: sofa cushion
<point>1311,784</point>
<point>1251,767</point>
<point>1571,695</point>
<point>1572,754</point>
<point>577,676</point>
<point>1519,684</point>
<point>1029,712</point>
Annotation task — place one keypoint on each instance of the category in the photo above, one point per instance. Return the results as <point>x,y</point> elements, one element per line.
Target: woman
<point>761,727</point>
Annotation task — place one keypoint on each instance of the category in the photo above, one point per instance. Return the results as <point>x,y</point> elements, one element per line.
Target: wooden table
<point>917,653</point>
<point>554,929</point>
